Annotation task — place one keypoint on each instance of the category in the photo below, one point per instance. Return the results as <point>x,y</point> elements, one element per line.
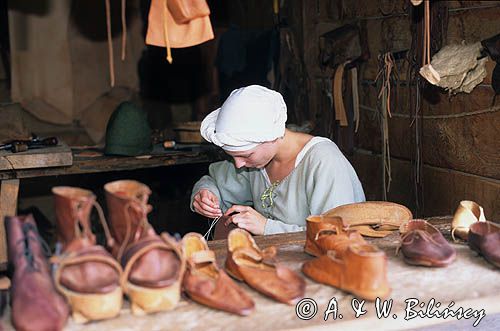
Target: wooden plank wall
<point>461,154</point>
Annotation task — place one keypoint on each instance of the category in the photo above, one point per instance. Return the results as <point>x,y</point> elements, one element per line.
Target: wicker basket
<point>188,133</point>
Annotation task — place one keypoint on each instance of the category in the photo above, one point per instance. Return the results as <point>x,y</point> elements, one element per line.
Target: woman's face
<point>257,157</point>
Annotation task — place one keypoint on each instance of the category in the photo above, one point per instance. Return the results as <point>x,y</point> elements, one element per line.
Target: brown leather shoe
<point>87,275</point>
<point>360,270</point>
<point>467,213</point>
<point>372,218</point>
<point>35,303</point>
<point>484,238</point>
<point>205,283</point>
<point>423,244</point>
<point>246,262</point>
<point>153,265</point>
<point>324,233</point>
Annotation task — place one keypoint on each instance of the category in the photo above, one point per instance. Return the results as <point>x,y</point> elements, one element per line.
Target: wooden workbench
<point>470,282</point>
<point>59,161</point>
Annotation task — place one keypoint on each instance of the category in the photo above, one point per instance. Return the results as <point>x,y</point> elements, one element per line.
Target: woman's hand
<point>207,204</point>
<point>246,218</point>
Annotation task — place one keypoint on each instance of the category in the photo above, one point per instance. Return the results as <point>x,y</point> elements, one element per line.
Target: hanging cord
<point>355,97</point>
<point>124,30</point>
<point>165,33</point>
<point>110,44</point>
<point>109,239</point>
<point>384,76</point>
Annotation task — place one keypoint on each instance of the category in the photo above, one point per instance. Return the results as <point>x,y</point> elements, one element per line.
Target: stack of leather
<point>344,259</point>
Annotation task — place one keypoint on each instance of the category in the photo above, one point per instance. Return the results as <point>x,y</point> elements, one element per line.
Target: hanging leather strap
<point>338,101</point>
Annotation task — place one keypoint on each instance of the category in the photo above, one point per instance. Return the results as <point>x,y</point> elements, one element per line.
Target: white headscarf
<point>250,115</point>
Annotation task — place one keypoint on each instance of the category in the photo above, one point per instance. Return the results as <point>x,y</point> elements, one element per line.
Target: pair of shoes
<point>35,303</point>
<point>345,260</point>
<point>259,269</point>
<point>207,284</point>
<point>372,218</point>
<point>423,244</point>
<point>143,265</point>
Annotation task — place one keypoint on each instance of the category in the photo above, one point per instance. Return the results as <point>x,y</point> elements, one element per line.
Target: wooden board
<point>102,163</point>
<point>9,190</point>
<point>57,156</point>
<point>470,282</point>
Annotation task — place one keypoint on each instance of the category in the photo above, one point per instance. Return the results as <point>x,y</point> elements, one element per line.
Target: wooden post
<point>8,207</point>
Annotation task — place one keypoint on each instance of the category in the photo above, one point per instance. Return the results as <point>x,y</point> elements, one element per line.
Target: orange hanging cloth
<point>178,24</point>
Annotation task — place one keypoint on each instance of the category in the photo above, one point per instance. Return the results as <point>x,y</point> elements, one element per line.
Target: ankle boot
<point>153,265</point>
<point>360,270</point>
<point>35,304</point>
<point>87,275</point>
<point>324,233</point>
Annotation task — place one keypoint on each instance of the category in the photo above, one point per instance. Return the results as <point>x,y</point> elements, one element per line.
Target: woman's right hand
<point>207,204</point>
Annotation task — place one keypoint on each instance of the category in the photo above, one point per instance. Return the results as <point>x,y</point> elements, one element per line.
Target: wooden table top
<point>93,161</point>
<point>469,282</point>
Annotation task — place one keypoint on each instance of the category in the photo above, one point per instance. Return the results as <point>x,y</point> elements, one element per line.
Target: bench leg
<point>9,190</point>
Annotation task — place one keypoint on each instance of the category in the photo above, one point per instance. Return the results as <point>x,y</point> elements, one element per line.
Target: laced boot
<point>153,265</point>
<point>87,275</point>
<point>35,304</point>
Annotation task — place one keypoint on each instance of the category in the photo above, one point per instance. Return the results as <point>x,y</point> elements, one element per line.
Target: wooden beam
<point>9,190</point>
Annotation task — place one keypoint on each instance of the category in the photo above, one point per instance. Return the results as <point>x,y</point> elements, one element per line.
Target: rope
<point>165,33</point>
<point>110,44</point>
<point>124,30</point>
<point>458,115</point>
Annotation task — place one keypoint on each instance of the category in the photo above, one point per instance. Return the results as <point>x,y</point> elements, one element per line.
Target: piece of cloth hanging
<point>191,28</point>
<point>338,100</point>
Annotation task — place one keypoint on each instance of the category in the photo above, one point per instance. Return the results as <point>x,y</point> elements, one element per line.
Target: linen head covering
<point>250,115</point>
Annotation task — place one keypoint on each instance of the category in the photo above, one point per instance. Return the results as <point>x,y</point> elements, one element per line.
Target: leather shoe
<point>423,244</point>
<point>484,238</point>
<point>258,268</point>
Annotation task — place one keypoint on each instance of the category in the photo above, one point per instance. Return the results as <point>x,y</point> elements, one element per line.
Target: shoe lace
<point>30,234</point>
<point>141,228</point>
<point>407,240</point>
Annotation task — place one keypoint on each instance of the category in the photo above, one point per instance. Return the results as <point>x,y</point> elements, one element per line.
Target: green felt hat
<point>128,132</point>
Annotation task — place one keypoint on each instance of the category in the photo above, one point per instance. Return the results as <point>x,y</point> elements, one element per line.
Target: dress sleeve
<point>230,185</point>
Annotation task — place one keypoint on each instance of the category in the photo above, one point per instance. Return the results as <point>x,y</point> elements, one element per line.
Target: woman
<point>278,177</point>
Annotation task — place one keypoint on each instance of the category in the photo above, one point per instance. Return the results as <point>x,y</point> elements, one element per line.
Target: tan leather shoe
<point>467,213</point>
<point>153,266</point>
<point>484,238</point>
<point>87,275</point>
<point>258,268</point>
<point>324,233</point>
<point>423,244</point>
<point>372,218</point>
<point>360,270</point>
<point>205,283</point>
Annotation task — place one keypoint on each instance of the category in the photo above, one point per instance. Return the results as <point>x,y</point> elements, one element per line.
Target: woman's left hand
<point>246,218</point>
